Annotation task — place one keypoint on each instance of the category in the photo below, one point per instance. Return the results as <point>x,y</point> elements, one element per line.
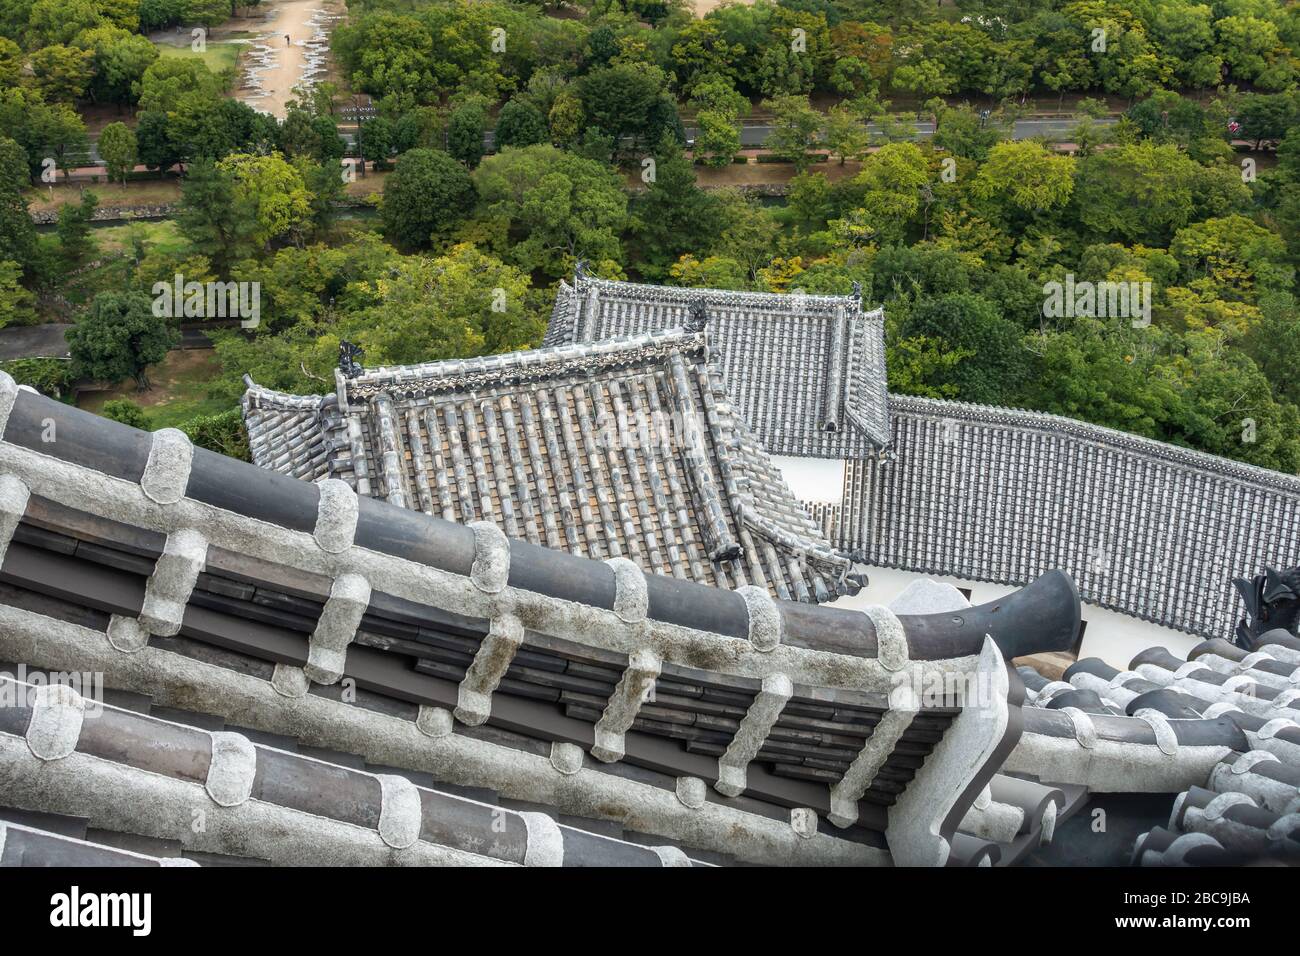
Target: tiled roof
<point>1220,729</point>
<point>806,371</point>
<point>302,436</point>
<point>994,494</point>
<point>720,722</point>
<point>627,448</point>
<point>131,776</point>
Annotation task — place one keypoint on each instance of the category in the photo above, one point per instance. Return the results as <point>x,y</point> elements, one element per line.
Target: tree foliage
<point>119,337</point>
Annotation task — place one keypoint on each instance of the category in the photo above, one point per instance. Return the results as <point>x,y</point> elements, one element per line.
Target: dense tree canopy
<point>1181,180</point>
<point>426,196</point>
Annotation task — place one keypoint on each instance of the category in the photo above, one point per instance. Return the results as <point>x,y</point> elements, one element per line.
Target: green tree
<point>1252,50</point>
<point>218,219</point>
<point>52,131</point>
<point>1138,193</point>
<point>713,272</point>
<point>276,192</point>
<point>924,366</point>
<point>120,61</point>
<point>377,137</point>
<point>222,433</point>
<point>892,186</point>
<point>58,21</point>
<point>1273,343</point>
<point>15,300</point>
<point>629,101</point>
<point>1024,178</point>
<point>62,73</point>
<point>169,78</point>
<point>673,216</point>
<point>717,139</point>
<point>809,201</point>
<point>127,412</point>
<point>75,242</point>
<point>546,208</point>
<point>963,132</point>
<point>119,337</point>
<point>795,128</point>
<point>465,131</point>
<point>462,303</point>
<point>305,134</point>
<point>718,94</point>
<point>118,149</point>
<point>423,127</point>
<point>846,132</point>
<point>1102,374</point>
<point>11,62</point>
<point>153,142</point>
<point>1232,259</point>
<point>17,234</point>
<point>520,124</point>
<point>566,118</point>
<point>719,108</point>
<point>428,195</point>
<point>996,361</point>
<point>747,233</point>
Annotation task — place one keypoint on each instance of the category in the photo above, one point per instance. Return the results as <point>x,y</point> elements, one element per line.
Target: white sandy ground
<point>702,7</point>
<point>290,16</point>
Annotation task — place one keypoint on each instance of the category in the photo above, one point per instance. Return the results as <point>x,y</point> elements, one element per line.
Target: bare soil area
<point>279,58</point>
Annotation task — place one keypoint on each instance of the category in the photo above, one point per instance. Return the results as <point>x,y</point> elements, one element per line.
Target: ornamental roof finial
<point>698,317</point>
<point>348,355</point>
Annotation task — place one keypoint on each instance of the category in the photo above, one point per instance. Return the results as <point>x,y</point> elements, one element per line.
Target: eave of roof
<point>189,511</point>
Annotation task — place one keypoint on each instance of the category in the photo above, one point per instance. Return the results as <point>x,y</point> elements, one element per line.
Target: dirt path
<point>272,67</point>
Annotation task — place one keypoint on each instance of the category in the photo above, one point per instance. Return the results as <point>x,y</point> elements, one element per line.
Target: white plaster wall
<point>813,479</point>
<point>1112,636</point>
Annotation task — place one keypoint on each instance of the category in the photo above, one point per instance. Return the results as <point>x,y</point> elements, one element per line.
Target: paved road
<point>34,341</point>
<point>756,133</point>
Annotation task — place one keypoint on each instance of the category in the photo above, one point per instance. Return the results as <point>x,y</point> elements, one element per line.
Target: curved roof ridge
<point>539,360</point>
<point>740,296</point>
<point>790,529</point>
<point>273,398</point>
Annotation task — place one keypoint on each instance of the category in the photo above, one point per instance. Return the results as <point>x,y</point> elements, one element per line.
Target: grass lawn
<point>114,249</point>
<point>368,185</point>
<point>145,192</point>
<point>216,57</point>
<point>180,389</point>
<point>159,234</point>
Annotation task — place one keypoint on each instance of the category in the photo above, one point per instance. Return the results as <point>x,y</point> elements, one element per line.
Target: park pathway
<point>273,67</point>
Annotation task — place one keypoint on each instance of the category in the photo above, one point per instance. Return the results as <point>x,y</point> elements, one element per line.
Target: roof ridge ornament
<point>580,271</point>
<point>348,359</point>
<point>1272,601</point>
<point>697,316</point>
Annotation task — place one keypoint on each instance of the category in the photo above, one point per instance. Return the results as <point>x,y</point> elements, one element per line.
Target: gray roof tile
<point>627,448</point>
<point>807,371</point>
